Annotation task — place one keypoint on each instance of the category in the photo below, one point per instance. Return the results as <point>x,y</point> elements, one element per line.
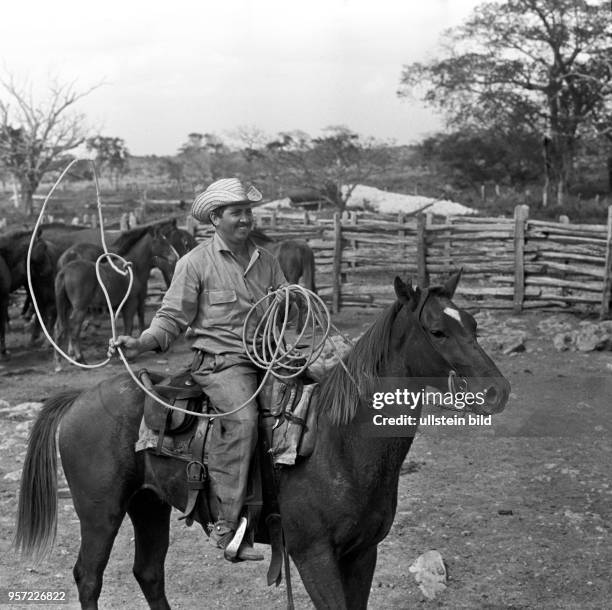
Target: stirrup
<point>231,550</point>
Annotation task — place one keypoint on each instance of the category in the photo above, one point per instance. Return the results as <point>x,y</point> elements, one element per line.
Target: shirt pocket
<point>221,304</point>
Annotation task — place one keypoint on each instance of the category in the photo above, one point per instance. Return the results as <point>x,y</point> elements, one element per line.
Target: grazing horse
<point>77,288</point>
<point>336,506</point>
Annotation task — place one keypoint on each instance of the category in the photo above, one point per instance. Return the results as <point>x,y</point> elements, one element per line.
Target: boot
<point>223,536</point>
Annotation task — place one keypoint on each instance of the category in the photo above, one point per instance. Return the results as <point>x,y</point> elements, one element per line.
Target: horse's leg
<point>3,320</point>
<point>58,337</point>
<point>98,534</point>
<point>76,324</point>
<point>357,574</point>
<point>151,519</point>
<point>321,575</point>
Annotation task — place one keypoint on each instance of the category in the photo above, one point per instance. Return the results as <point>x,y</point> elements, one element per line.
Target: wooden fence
<point>508,263</point>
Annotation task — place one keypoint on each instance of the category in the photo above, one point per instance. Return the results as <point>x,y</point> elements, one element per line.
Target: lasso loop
<point>127,270</point>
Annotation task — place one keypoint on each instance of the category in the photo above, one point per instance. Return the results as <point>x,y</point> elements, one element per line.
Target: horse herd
<point>65,279</point>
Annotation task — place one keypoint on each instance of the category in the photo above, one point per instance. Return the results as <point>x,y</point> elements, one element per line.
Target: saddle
<point>287,433</point>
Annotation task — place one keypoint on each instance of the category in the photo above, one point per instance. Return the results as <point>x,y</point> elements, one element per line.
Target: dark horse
<point>336,506</point>
<point>180,239</point>
<point>296,259</point>
<point>13,275</point>
<point>77,288</point>
<point>183,241</point>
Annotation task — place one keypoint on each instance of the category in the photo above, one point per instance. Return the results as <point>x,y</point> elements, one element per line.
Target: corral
<point>519,510</point>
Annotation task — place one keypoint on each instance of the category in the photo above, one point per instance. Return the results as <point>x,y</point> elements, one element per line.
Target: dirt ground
<point>520,510</point>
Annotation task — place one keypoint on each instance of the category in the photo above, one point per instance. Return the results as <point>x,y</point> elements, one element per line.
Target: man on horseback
<point>213,289</point>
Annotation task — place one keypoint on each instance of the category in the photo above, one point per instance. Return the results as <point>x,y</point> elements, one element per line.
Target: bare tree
<point>330,166</point>
<point>35,136</point>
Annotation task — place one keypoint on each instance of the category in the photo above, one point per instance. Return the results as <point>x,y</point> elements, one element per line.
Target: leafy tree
<point>111,156</point>
<point>542,65</point>
<point>331,166</point>
<point>472,157</point>
<point>35,136</point>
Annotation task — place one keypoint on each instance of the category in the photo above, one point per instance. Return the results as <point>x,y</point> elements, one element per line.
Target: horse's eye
<point>437,333</point>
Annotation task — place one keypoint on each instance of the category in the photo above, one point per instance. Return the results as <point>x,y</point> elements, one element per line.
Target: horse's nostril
<point>491,395</point>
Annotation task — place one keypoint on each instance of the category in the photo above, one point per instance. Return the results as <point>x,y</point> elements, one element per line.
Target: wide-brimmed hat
<point>226,191</point>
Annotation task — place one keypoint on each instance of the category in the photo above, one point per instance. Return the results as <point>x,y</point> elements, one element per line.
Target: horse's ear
<point>450,285</point>
<point>405,293</point>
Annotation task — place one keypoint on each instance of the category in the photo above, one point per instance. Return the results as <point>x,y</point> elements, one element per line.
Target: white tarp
<point>370,198</point>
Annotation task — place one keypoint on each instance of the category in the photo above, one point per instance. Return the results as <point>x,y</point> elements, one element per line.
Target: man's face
<point>234,223</point>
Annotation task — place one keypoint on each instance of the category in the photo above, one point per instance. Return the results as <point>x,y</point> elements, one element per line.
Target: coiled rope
<point>267,350</point>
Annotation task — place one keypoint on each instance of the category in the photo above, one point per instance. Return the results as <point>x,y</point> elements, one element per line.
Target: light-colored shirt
<point>211,292</point>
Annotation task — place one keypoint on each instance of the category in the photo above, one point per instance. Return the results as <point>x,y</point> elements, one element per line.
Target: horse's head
<point>164,255</point>
<point>451,332</point>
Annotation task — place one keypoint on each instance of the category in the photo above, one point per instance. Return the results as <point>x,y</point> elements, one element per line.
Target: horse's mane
<point>127,239</point>
<point>340,392</point>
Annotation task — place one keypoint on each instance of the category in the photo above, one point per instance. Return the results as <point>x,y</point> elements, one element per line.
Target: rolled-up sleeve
<point>179,306</point>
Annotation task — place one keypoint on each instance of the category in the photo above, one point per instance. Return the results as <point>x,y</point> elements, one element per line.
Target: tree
<point>544,65</point>
<point>332,165</point>
<point>111,156</point>
<point>35,136</point>
<point>471,157</point>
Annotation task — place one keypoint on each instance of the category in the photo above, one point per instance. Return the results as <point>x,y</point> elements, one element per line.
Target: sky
<point>162,70</point>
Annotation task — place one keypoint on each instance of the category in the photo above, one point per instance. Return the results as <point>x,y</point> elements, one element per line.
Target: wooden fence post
<point>401,219</point>
<point>521,214</point>
<point>337,265</point>
<point>607,281</point>
<point>421,244</point>
<point>124,224</point>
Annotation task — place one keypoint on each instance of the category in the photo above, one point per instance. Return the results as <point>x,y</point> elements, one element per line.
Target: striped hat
<point>222,192</point>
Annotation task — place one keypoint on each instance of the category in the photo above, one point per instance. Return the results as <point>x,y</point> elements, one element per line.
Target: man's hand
<point>130,346</point>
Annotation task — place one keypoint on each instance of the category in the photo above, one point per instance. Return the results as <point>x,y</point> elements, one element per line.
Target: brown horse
<point>336,506</point>
<point>296,259</point>
<point>92,251</point>
<point>77,288</point>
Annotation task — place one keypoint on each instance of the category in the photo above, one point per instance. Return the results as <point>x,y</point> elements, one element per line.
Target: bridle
<point>456,383</point>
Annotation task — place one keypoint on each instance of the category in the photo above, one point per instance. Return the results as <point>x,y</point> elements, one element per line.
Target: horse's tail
<point>308,273</point>
<point>37,511</point>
